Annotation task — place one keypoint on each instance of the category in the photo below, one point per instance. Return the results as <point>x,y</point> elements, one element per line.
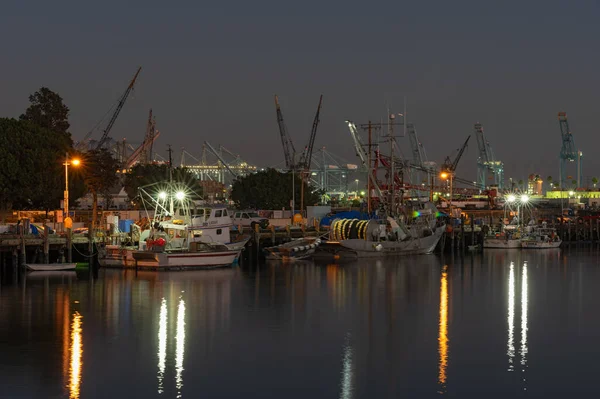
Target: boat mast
<point>171,205</point>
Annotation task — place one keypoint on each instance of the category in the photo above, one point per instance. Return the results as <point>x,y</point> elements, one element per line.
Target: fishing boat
<point>541,238</point>
<point>415,234</point>
<point>301,248</point>
<point>210,225</point>
<point>198,255</point>
<point>45,267</point>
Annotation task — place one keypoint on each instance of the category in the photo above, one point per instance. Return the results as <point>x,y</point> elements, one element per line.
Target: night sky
<point>210,70</point>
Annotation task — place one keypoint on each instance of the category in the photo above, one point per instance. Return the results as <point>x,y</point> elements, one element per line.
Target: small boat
<point>199,255</point>
<point>301,248</point>
<point>46,267</point>
<point>541,238</point>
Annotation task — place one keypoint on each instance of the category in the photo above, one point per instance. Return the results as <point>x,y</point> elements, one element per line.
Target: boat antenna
<point>171,207</point>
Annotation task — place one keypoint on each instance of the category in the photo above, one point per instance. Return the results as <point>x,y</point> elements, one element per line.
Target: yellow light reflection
<point>162,343</point>
<point>511,317</point>
<point>179,347</point>
<point>443,331</point>
<point>524,305</point>
<point>76,354</point>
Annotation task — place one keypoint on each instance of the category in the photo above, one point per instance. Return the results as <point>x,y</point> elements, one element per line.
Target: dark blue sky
<point>210,70</point>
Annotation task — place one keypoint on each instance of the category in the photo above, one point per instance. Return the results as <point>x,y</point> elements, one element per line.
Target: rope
<point>85,256</point>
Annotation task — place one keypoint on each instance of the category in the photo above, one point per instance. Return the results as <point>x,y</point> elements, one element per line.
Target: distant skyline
<point>209,72</point>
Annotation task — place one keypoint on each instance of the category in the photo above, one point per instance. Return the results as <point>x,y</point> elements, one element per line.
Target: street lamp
<point>74,162</point>
<point>445,176</point>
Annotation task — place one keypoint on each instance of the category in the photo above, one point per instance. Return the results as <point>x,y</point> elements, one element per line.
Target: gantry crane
<point>486,163</point>
<point>568,153</point>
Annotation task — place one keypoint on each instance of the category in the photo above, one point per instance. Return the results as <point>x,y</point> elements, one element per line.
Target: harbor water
<point>499,324</point>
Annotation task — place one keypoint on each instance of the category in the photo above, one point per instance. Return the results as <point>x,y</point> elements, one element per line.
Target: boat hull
<point>540,244</point>
<point>50,267</point>
<point>184,260</point>
<point>357,248</point>
<point>117,257</point>
<point>500,243</point>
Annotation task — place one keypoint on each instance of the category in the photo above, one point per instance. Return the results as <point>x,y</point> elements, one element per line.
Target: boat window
<point>224,212</point>
<point>218,213</point>
<point>219,231</point>
<point>246,216</point>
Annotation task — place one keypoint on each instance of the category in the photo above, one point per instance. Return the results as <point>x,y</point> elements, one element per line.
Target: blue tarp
<point>326,221</point>
<point>125,225</point>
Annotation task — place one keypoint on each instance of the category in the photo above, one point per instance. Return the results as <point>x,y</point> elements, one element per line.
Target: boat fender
<point>378,247</point>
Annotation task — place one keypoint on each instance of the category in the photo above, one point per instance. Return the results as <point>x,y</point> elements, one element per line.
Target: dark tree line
<point>271,189</point>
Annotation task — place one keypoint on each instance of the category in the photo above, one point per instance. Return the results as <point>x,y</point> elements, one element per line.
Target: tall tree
<point>100,175</point>
<point>47,110</point>
<point>271,189</point>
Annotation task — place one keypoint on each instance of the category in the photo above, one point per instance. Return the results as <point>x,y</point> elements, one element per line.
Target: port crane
<point>104,139</point>
<point>449,166</point>
<point>486,163</point>
<point>289,151</point>
<point>567,151</point>
<point>143,154</point>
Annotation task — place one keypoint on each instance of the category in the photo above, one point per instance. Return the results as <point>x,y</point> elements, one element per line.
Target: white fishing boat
<point>199,255</point>
<point>211,225</point>
<point>301,248</point>
<point>45,267</point>
<point>353,238</point>
<point>541,238</point>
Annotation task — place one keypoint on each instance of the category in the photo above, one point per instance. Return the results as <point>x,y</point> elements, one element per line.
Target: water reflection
<point>347,371</point>
<point>180,341</point>
<point>511,316</point>
<point>162,343</point>
<point>443,331</point>
<point>76,354</point>
<point>524,305</point>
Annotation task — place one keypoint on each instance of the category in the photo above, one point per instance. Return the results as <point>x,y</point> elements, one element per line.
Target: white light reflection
<point>180,341</point>
<point>443,331</point>
<point>347,371</point>
<point>524,304</point>
<point>162,343</point>
<point>511,317</point>
<point>76,353</point>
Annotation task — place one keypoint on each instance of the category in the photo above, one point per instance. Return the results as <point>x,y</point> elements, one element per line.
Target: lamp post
<point>74,162</point>
<point>444,176</point>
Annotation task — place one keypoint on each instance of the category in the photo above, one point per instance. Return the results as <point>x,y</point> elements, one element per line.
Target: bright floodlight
<point>444,175</point>
<point>524,198</point>
<point>75,162</point>
<point>511,198</point>
<point>162,195</point>
<point>571,193</point>
<point>180,195</point>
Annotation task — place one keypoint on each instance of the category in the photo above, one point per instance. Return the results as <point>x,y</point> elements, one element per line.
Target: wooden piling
<point>46,243</point>
<point>69,246</point>
<point>472,230</point>
<point>462,233</point>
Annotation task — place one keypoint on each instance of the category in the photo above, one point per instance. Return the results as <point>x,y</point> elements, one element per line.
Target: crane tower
<point>568,152</point>
<point>487,166</point>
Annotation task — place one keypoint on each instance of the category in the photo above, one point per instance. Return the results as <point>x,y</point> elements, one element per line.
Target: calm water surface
<point>503,324</point>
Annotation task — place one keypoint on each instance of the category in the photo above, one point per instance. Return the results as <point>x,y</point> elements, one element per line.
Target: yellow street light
<point>75,162</point>
<point>444,175</point>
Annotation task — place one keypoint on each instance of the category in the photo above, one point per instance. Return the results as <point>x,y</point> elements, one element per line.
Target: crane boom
<point>286,141</point>
<point>306,158</point>
<point>220,158</point>
<point>360,151</point>
<point>417,149</point>
<point>460,153</point>
<point>122,100</point>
